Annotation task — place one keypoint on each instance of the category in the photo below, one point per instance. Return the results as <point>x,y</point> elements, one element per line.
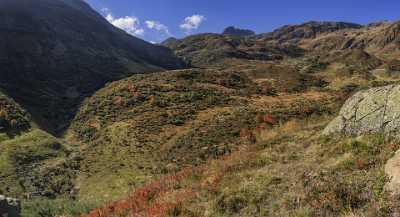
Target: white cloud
<point>130,24</point>
<point>193,22</point>
<point>106,10</point>
<point>151,24</point>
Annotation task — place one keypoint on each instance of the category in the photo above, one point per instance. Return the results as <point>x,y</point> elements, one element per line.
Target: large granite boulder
<point>376,110</point>
<point>9,207</point>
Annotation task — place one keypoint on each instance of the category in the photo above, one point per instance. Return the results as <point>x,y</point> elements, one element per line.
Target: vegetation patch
<point>13,118</point>
<point>35,164</point>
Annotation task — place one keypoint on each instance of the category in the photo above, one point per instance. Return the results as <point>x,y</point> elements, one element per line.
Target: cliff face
<point>54,52</point>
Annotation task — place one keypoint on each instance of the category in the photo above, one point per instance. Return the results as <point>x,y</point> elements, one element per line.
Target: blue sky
<point>155,20</point>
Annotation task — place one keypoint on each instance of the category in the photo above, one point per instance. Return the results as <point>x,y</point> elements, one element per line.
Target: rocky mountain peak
<point>233,31</point>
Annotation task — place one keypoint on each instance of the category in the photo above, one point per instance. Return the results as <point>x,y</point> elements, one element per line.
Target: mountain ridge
<point>54,48</point>
<point>233,31</point>
<point>221,109</point>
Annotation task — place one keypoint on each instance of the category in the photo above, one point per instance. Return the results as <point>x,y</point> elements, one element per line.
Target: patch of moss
<point>34,163</point>
<point>43,207</point>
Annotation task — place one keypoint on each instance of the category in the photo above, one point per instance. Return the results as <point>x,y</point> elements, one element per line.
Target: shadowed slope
<point>55,52</point>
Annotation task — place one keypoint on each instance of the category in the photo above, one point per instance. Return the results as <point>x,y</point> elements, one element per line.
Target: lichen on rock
<point>376,110</point>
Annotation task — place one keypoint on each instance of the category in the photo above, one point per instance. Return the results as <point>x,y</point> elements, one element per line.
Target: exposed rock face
<point>391,35</point>
<point>294,33</point>
<point>208,48</point>
<point>9,207</point>
<point>376,110</point>
<point>232,31</point>
<point>371,111</point>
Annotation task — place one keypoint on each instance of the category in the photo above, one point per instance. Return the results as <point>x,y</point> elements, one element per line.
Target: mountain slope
<point>252,115</point>
<point>55,52</point>
<point>381,39</point>
<point>284,42</point>
<point>13,118</point>
<point>32,162</point>
<point>147,125</point>
<point>294,33</point>
<point>204,49</point>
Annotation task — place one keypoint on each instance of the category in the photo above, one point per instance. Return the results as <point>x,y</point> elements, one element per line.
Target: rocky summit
<point>232,31</point>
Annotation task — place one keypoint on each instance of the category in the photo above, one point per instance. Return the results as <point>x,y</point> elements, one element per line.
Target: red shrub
<point>118,100</point>
<point>360,164</point>
<point>269,119</point>
<point>393,146</point>
<point>143,200</point>
<point>131,87</point>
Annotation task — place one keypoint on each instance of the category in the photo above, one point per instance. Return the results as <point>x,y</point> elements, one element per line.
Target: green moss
<point>42,207</point>
<point>34,162</point>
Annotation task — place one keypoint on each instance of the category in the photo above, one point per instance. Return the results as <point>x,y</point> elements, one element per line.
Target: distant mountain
<point>209,48</point>
<point>55,52</point>
<point>381,39</point>
<point>169,41</point>
<point>232,31</point>
<point>331,40</point>
<point>307,30</point>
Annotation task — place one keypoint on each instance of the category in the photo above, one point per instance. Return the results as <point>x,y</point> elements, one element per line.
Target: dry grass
<point>270,178</point>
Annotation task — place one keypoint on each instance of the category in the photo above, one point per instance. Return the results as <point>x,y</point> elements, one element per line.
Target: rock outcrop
<point>294,33</point>
<point>232,31</point>
<point>9,207</point>
<point>376,110</point>
<point>201,50</point>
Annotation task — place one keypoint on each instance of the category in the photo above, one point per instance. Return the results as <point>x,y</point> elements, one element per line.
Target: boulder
<point>9,207</point>
<point>376,110</point>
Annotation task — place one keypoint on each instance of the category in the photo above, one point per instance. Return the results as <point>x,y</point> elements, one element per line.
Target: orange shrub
<point>142,202</point>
